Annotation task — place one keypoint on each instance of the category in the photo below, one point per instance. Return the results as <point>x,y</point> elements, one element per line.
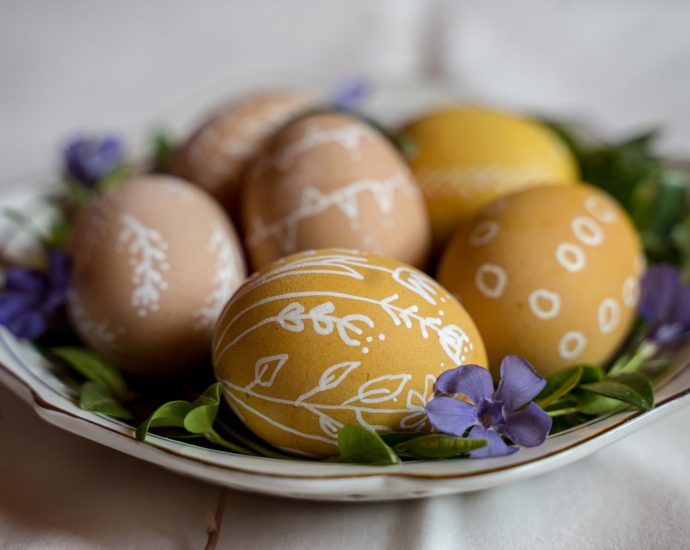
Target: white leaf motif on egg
<point>331,378</point>
<point>416,282</point>
<point>382,388</point>
<point>146,250</point>
<point>266,369</point>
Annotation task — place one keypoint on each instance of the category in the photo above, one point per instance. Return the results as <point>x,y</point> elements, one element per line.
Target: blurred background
<point>72,65</point>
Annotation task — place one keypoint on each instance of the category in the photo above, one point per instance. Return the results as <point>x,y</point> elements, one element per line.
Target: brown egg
<point>550,273</point>
<point>155,261</point>
<point>325,338</point>
<point>215,154</point>
<point>329,180</point>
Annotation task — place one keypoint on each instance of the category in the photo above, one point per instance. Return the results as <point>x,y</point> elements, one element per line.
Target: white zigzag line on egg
<point>146,250</point>
<point>347,137</point>
<point>228,265</point>
<point>314,202</point>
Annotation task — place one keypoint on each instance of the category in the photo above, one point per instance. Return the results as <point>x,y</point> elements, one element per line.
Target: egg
<point>330,180</point>
<point>215,154</point>
<point>550,273</point>
<point>331,337</point>
<point>154,262</point>
<point>466,157</point>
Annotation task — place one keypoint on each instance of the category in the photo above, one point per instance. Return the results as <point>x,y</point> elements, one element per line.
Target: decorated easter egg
<point>215,154</point>
<point>321,339</point>
<point>329,180</point>
<point>154,261</point>
<point>550,273</point>
<point>463,158</point>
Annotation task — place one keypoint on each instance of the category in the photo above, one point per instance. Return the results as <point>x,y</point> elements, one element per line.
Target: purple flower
<point>491,414</point>
<point>665,304</point>
<point>29,296</point>
<point>350,95</point>
<point>89,160</point>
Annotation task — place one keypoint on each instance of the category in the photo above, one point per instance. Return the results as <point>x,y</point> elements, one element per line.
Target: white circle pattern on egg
<point>484,233</point>
<point>491,288</point>
<point>631,291</point>
<point>572,344</point>
<point>571,257</point>
<point>594,205</point>
<point>538,297</point>
<point>608,315</point>
<point>587,231</point>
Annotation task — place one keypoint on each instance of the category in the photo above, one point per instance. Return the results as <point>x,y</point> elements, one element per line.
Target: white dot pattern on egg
<point>552,275</point>
<point>147,289</point>
<point>319,340</point>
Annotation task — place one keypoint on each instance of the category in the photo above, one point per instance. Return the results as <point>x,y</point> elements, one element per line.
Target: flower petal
<point>59,271</point>
<point>472,381</point>
<point>13,304</point>
<point>519,383</point>
<point>495,447</point>
<point>30,325</point>
<point>529,427</point>
<point>26,280</point>
<point>682,313</point>
<point>450,416</point>
<point>660,287</point>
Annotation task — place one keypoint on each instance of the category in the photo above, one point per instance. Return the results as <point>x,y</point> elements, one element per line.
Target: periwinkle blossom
<point>665,304</point>
<point>90,159</point>
<point>350,95</point>
<point>491,414</point>
<point>30,297</point>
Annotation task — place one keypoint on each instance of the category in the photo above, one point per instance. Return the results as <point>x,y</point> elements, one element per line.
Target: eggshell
<point>332,337</point>
<point>550,273</point>
<point>155,261</point>
<point>466,157</point>
<point>215,154</point>
<point>330,180</point>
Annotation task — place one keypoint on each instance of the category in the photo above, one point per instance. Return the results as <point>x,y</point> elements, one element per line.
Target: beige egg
<point>215,154</point>
<point>155,261</point>
<point>329,180</point>
<point>325,338</point>
<point>550,273</point>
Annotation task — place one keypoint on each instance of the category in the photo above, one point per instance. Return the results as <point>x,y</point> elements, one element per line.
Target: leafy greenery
<point>632,388</point>
<point>654,193</point>
<point>97,397</point>
<point>361,446</point>
<point>438,446</point>
<point>93,367</point>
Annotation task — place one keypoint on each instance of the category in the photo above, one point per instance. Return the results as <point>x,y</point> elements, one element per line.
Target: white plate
<point>54,397</point>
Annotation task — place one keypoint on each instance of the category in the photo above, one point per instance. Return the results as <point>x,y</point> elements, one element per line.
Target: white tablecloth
<point>72,65</point>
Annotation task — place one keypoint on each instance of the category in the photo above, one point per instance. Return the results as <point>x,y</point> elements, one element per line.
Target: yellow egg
<point>329,180</point>
<point>326,338</point>
<point>154,262</point>
<point>465,157</point>
<point>550,273</point>
<point>215,154</point>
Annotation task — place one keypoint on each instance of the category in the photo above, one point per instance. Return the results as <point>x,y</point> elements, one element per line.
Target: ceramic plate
<point>54,395</point>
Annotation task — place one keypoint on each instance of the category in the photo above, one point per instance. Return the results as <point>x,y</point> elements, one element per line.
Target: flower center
<point>490,413</point>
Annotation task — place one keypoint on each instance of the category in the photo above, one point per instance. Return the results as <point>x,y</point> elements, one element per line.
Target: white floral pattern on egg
<point>322,339</point>
<point>155,261</point>
<point>558,284</point>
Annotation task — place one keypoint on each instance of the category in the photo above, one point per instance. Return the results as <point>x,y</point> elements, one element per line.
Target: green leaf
<point>393,438</point>
<point>361,446</point>
<point>631,388</point>
<point>163,150</point>
<point>558,385</point>
<point>680,235</point>
<point>200,418</point>
<point>113,179</point>
<point>168,415</point>
<point>591,374</point>
<point>97,397</point>
<point>439,446</point>
<point>593,404</point>
<point>93,367</point>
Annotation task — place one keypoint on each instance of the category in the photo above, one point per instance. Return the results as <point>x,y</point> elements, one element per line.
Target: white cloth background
<point>78,64</point>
